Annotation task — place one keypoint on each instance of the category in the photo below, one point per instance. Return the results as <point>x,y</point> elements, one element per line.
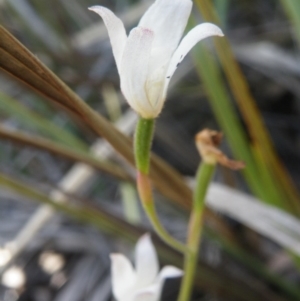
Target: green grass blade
<point>222,7</point>
<point>292,9</point>
<point>42,125</point>
<point>74,154</point>
<point>251,115</point>
<point>36,25</point>
<point>227,117</point>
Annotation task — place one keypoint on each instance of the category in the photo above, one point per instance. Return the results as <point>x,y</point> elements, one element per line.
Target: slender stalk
<point>142,146</point>
<point>204,176</point>
<point>145,193</point>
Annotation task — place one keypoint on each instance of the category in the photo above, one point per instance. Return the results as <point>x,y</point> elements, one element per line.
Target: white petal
<point>134,70</point>
<point>169,271</point>
<point>195,35</point>
<point>116,31</point>
<point>167,19</point>
<point>146,261</point>
<point>123,276</point>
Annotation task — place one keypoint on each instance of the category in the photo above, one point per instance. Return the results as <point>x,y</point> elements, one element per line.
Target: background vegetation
<point>54,150</point>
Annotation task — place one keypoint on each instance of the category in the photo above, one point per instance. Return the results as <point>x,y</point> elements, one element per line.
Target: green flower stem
<point>145,193</point>
<point>204,176</point>
<point>142,146</point>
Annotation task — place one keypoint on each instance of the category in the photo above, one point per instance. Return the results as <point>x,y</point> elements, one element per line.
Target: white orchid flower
<point>143,283</point>
<point>148,57</point>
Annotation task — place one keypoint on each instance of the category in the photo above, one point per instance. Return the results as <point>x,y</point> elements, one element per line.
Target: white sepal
<point>146,262</point>
<point>134,70</point>
<point>194,36</point>
<point>116,31</point>
<point>123,276</point>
